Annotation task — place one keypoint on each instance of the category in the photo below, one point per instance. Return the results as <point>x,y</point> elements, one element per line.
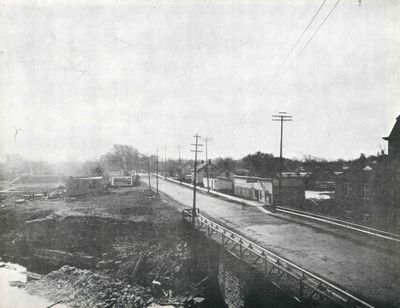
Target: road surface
<point>370,272</point>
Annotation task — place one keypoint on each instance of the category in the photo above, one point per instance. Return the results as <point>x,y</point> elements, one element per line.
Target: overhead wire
<point>316,30</point>
<point>295,44</point>
<point>292,49</point>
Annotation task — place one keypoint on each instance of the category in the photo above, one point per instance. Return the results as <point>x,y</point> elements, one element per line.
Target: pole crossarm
<point>281,117</point>
<point>302,285</point>
<point>196,151</point>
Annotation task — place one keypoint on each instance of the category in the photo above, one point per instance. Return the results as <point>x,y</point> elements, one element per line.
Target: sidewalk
<point>221,195</point>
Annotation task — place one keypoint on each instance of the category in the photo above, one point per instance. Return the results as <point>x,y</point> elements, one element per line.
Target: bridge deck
<point>360,268</point>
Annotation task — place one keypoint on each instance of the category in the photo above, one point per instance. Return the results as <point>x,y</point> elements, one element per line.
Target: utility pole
<point>180,164</point>
<point>157,171</point>
<point>148,169</point>
<point>281,117</point>
<point>195,176</point>
<point>165,161</point>
<point>206,139</point>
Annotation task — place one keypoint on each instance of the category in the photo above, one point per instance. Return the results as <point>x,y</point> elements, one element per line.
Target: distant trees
<point>226,163</point>
<point>261,164</point>
<point>123,158</point>
<point>93,168</point>
<point>15,165</point>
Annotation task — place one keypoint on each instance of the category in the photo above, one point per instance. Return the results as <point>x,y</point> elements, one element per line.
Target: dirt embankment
<point>124,249</point>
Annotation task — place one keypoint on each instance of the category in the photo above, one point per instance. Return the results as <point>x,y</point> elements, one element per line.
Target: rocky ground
<point>126,248</point>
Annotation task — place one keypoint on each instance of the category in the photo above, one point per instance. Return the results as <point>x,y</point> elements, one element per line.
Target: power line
<point>295,44</point>
<point>316,30</point>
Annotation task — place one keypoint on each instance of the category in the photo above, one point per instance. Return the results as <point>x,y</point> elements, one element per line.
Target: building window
<point>347,189</point>
<point>366,192</point>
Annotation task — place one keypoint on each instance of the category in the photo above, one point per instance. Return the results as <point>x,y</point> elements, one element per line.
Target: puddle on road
<point>14,297</point>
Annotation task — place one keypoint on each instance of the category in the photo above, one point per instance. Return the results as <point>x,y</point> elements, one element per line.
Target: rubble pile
<point>84,288</point>
<point>136,244</point>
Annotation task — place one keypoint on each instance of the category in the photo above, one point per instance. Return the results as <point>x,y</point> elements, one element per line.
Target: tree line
<point>124,159</point>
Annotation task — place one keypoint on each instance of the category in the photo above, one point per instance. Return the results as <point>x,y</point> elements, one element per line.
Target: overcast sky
<point>78,78</point>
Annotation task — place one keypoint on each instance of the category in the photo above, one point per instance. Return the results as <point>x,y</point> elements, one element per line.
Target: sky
<point>79,76</point>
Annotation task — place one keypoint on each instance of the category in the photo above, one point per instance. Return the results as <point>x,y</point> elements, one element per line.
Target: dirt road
<point>370,272</point>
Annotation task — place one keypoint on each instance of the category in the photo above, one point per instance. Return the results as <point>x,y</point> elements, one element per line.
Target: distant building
<point>224,182</point>
<point>202,170</point>
<point>254,188</point>
<point>296,174</point>
<point>242,172</point>
<point>186,173</point>
<point>394,140</point>
<point>292,191</point>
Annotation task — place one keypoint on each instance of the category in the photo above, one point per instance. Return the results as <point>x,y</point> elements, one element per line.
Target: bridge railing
<point>301,284</point>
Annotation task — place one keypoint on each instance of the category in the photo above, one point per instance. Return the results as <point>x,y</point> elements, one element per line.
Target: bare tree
<point>123,158</point>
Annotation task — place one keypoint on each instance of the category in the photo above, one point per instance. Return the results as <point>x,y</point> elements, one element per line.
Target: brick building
<point>394,140</point>
<point>292,191</point>
<point>371,189</point>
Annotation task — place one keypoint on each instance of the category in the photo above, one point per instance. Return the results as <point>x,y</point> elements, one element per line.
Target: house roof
<point>395,133</point>
<point>226,175</point>
<point>203,165</point>
<point>251,178</point>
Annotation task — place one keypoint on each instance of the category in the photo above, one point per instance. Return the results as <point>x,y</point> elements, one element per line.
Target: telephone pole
<point>157,171</point>
<point>148,169</point>
<point>207,139</point>
<point>165,161</point>
<point>281,117</point>
<point>195,175</point>
<point>179,164</point>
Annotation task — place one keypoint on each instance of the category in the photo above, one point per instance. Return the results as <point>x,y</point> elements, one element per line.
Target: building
<point>242,171</point>
<point>394,140</point>
<point>204,169</point>
<point>372,188</point>
<point>254,188</point>
<point>224,182</point>
<point>291,192</point>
